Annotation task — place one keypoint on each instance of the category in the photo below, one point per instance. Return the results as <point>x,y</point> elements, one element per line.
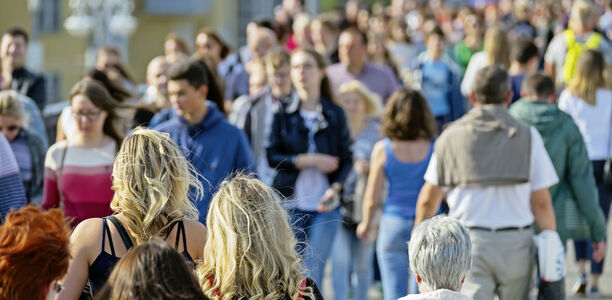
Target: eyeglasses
<point>9,128</point>
<point>89,115</point>
<point>57,287</point>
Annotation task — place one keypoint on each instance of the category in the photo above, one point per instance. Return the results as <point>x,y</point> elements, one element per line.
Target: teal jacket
<point>567,151</point>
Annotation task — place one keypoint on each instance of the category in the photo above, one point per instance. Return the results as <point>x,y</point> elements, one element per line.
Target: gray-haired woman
<point>440,255</point>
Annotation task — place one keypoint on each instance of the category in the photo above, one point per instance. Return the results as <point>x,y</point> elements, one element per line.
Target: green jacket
<point>567,151</point>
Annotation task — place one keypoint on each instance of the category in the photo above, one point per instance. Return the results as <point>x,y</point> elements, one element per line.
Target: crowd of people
<point>336,138</point>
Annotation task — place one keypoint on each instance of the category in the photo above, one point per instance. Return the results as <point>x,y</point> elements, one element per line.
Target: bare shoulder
<point>87,238</point>
<point>196,234</point>
<point>378,152</point>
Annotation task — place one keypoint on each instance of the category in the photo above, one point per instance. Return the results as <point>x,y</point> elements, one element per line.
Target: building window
<point>48,18</point>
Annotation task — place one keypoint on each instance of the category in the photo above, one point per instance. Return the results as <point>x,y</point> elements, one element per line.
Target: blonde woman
<point>588,99</point>
<point>362,109</point>
<point>250,250</point>
<point>496,51</point>
<point>151,179</point>
<point>28,147</point>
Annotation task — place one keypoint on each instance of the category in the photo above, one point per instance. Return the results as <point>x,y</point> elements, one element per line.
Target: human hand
<point>599,251</point>
<point>324,162</point>
<point>362,167</point>
<point>363,230</point>
<point>328,201</point>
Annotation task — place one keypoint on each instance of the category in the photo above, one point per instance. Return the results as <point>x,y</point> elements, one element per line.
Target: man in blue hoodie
<point>214,146</point>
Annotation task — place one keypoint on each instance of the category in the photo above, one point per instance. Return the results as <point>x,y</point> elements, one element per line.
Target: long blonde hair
<point>582,15</point>
<point>497,46</point>
<point>250,249</point>
<point>151,180</point>
<point>589,76</point>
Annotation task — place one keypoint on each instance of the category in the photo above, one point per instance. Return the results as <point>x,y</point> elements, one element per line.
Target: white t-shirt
<point>478,61</point>
<point>593,121</point>
<point>500,206</point>
<point>311,183</point>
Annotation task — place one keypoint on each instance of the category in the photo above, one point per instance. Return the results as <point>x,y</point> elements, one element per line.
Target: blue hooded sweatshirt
<point>214,147</point>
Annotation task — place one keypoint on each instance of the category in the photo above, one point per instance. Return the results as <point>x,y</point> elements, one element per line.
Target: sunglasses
<point>9,128</point>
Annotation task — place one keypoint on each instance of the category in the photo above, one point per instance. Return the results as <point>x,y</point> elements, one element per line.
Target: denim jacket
<point>289,137</point>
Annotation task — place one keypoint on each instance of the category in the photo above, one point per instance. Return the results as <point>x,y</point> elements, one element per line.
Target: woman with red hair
<point>33,253</point>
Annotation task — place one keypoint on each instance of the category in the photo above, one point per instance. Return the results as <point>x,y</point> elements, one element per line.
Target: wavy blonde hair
<point>151,180</point>
<point>590,75</point>
<point>497,46</point>
<point>372,101</point>
<point>250,248</point>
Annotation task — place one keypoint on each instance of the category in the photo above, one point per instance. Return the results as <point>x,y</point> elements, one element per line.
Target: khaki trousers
<point>502,264</point>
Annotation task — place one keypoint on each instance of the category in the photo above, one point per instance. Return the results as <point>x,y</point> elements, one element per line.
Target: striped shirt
<point>85,181</point>
<point>12,194</point>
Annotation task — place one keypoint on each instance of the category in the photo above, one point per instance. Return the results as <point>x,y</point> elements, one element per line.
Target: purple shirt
<point>379,79</point>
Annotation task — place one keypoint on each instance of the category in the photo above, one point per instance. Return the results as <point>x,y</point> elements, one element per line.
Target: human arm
<point>51,192</point>
<point>196,235</point>
<point>84,246</point>
<point>542,209</point>
<point>372,199</point>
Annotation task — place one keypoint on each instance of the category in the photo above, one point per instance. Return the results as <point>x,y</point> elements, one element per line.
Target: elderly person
<point>440,257</point>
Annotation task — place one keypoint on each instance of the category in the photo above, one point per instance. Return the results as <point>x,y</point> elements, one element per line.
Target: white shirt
<point>500,206</point>
<point>441,294</point>
<point>311,183</point>
<point>478,61</point>
<point>593,121</point>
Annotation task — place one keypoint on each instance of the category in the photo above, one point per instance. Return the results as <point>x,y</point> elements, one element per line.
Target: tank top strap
<point>181,229</point>
<point>105,231</point>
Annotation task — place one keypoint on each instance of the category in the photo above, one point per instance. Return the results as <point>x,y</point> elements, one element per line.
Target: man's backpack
<point>574,50</point>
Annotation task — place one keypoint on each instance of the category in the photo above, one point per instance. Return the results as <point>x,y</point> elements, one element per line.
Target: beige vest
<point>486,147</point>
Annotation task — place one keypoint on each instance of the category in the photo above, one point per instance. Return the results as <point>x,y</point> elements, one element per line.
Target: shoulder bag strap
<point>122,232</point>
<point>60,170</point>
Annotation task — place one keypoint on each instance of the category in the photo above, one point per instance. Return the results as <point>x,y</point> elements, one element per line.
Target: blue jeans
<point>584,249</point>
<point>315,233</point>
<point>349,253</point>
<point>392,250</point>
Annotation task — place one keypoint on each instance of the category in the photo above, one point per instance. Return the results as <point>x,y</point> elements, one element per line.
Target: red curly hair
<point>33,252</point>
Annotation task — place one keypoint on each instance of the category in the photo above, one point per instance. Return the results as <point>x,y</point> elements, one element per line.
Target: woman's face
<point>208,46</point>
<point>305,73</point>
<point>89,118</point>
<point>353,105</point>
<point>10,127</point>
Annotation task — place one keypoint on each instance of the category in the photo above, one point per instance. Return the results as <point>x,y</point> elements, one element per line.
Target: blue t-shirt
<point>435,86</point>
<point>405,182</point>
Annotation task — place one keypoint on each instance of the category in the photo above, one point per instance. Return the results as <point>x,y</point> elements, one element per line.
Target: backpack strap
<point>122,232</point>
<point>574,50</point>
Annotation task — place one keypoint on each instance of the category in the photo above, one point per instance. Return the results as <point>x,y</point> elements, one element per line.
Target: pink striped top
<point>85,180</point>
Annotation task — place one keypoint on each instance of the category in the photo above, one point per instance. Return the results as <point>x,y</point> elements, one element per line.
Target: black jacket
<point>289,137</point>
<point>31,85</point>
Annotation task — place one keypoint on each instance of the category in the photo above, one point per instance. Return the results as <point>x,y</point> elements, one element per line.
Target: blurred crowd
<point>236,173</point>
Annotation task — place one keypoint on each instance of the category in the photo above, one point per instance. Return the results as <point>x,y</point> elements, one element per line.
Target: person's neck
<point>93,140</point>
<point>281,95</point>
<point>197,116</point>
<point>434,55</point>
<point>356,67</point>
<point>309,99</point>
<point>357,124</point>
<point>517,68</point>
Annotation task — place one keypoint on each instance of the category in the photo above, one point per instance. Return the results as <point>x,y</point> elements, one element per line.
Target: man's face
<point>13,49</point>
<point>157,76</point>
<point>279,80</point>
<point>262,42</point>
<point>185,98</point>
<point>351,49</point>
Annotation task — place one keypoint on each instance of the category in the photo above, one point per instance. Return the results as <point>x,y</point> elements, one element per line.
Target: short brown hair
<point>33,252</point>
<point>538,85</point>
<point>191,70</point>
<point>492,86</point>
<point>407,116</point>
<point>277,58</point>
